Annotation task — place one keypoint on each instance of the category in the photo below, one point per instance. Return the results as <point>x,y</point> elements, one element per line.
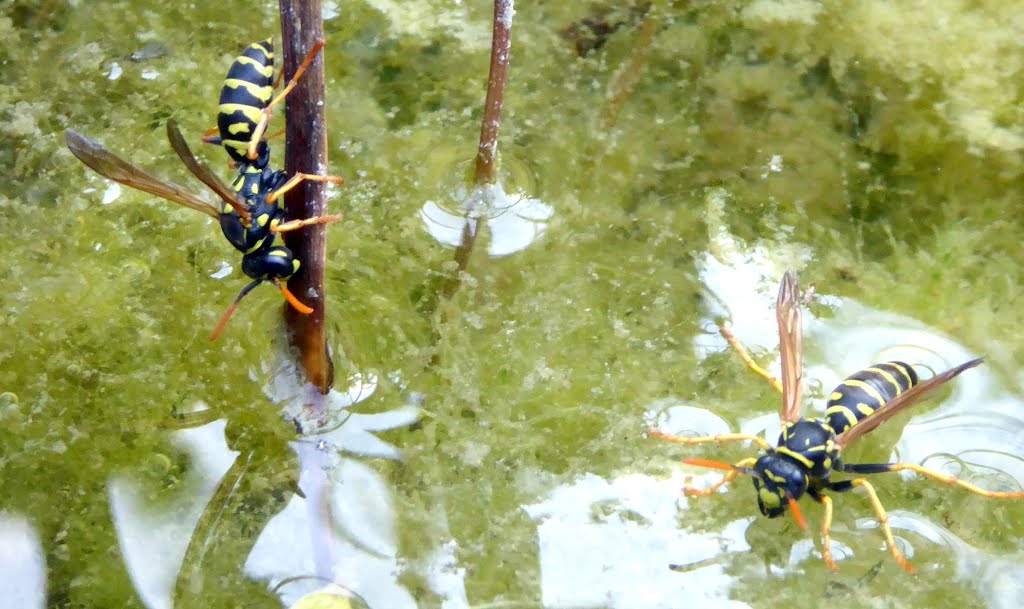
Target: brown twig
<point>485,170</point>
<point>306,151</point>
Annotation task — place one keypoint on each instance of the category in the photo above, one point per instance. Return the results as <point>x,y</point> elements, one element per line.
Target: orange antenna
<point>712,464</point>
<point>227,314</point>
<point>797,514</point>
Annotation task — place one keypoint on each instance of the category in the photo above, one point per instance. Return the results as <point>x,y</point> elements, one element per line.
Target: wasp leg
<point>826,524</point>
<point>261,126</point>
<point>296,224</point>
<point>297,179</point>
<point>726,437</point>
<point>292,300</point>
<point>883,519</point>
<point>878,468</point>
<point>749,361</point>
<point>735,470</point>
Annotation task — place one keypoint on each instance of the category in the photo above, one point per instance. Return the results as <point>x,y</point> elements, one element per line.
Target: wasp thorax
<point>777,479</point>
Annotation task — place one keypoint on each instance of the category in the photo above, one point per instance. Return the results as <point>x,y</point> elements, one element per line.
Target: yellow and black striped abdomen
<point>866,391</point>
<point>247,89</point>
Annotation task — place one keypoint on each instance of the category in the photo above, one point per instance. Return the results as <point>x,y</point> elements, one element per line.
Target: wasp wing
<point>204,173</point>
<point>787,310</point>
<point>900,403</point>
<point>111,166</point>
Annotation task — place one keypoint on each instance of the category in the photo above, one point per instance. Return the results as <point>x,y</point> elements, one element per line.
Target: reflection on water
<point>22,566</point>
<point>598,538</point>
<point>342,532</point>
<point>514,221</point>
<point>153,541</point>
<point>998,578</point>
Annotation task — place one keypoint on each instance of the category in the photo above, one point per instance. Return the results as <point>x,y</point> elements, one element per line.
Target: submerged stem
<point>485,172</point>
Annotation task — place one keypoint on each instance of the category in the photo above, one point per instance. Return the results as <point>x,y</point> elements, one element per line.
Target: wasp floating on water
<point>808,450</point>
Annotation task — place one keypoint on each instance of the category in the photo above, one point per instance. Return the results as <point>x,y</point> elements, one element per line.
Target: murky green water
<point>875,147</point>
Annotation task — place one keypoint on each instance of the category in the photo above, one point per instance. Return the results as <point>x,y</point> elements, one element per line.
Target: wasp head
<point>779,483</point>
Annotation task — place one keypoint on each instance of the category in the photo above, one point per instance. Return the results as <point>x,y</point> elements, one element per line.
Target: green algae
<point>900,171</point>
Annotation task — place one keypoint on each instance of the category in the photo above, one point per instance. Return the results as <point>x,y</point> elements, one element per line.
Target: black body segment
<point>810,444</point>
<point>254,184</point>
<point>271,263</point>
<point>248,88</point>
<point>865,391</point>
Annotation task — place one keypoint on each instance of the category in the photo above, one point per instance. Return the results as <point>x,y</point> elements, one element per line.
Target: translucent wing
<point>901,403</point>
<point>111,166</point>
<point>787,310</point>
<point>204,173</point>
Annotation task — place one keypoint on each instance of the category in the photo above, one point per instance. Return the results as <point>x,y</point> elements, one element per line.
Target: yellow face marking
<point>769,499</point>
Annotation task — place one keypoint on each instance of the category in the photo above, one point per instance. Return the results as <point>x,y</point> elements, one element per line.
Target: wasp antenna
<point>711,464</point>
<point>212,136</point>
<point>227,314</point>
<point>292,300</point>
<point>797,514</point>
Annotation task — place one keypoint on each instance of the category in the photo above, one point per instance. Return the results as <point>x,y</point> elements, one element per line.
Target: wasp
<point>808,450</point>
<point>246,105</point>
<point>250,220</point>
<point>243,113</point>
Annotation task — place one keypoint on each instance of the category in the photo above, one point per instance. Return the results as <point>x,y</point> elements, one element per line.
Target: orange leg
<point>749,361</point>
<point>296,224</point>
<point>950,480</point>
<point>727,437</point>
<point>296,179</point>
<point>883,521</point>
<point>261,126</point>
<point>826,533</point>
<point>292,300</point>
